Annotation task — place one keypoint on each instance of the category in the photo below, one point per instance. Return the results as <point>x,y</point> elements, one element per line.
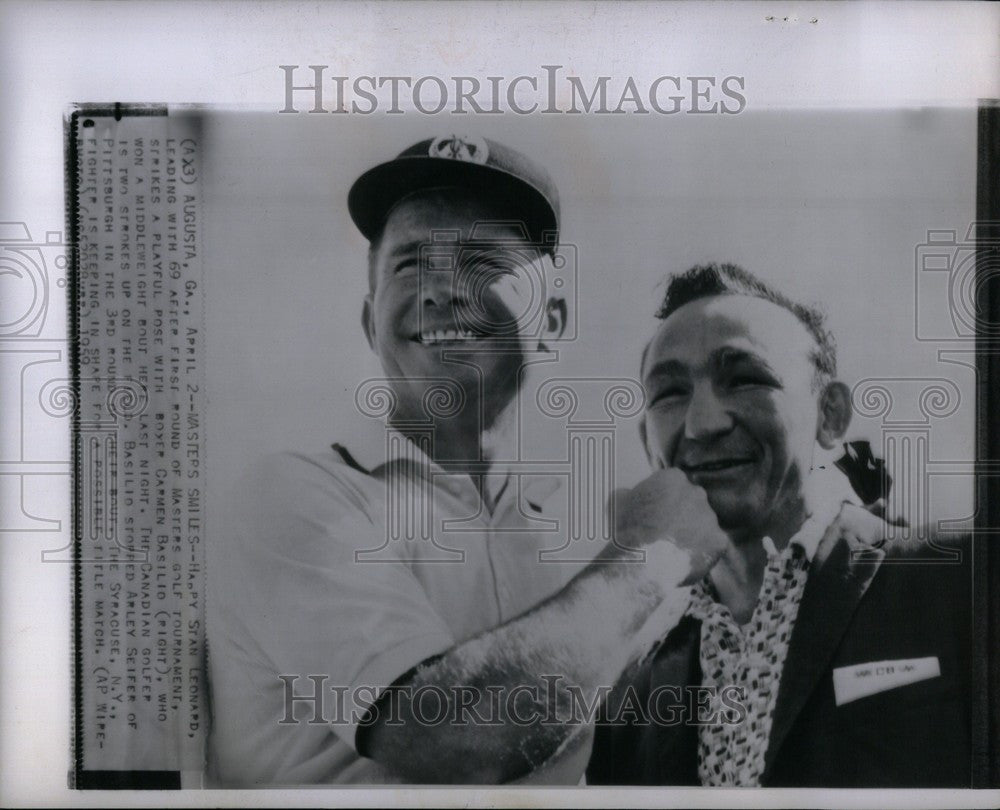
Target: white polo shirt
<point>332,572</point>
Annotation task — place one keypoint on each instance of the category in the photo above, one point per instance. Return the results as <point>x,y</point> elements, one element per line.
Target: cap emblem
<point>453,147</point>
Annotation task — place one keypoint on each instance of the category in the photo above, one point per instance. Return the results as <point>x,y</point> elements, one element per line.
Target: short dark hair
<point>709,280</point>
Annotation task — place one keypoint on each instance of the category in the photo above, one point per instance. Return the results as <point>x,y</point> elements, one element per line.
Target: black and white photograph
<point>574,425</point>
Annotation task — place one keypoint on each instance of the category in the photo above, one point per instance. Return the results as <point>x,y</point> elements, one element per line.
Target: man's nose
<point>706,414</point>
<point>437,288</point>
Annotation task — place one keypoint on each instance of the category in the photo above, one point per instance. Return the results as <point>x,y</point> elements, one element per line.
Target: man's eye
<point>747,380</point>
<point>669,395</point>
<point>485,273</point>
<point>406,267</point>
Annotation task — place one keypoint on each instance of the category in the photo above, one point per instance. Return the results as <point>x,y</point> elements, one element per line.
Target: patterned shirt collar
<point>826,492</point>
<point>751,658</point>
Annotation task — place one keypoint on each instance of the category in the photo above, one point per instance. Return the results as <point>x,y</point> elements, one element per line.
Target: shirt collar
<point>406,456</point>
<point>405,453</point>
<point>826,490</point>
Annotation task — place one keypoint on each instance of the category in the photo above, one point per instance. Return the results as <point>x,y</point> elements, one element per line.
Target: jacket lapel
<point>672,758</point>
<point>844,565</point>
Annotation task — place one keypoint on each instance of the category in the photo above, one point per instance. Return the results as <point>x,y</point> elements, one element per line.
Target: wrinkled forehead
<point>693,334</point>
<point>418,216</point>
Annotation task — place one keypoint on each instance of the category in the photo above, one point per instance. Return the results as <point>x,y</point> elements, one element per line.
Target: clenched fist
<point>666,508</point>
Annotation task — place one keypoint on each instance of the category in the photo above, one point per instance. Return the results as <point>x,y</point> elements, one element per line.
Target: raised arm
<point>514,693</point>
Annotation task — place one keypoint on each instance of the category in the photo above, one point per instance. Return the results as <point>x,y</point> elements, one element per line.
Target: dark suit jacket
<point>862,603</point>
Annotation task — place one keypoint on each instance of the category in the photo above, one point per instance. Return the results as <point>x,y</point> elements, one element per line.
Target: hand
<point>667,508</point>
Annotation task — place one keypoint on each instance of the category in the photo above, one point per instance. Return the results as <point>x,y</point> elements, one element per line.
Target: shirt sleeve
<point>307,605</point>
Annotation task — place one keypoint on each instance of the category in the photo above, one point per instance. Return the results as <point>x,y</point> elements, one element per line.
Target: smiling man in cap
<point>462,234</point>
<point>345,650</point>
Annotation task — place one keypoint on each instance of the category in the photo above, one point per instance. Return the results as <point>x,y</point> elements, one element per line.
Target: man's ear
<point>834,414</point>
<point>368,322</point>
<point>555,318</point>
<point>555,322</point>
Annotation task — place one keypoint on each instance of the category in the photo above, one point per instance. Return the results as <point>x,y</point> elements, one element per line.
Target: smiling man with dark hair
<point>853,668</point>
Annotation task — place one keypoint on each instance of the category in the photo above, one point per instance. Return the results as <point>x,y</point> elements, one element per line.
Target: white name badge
<point>861,680</point>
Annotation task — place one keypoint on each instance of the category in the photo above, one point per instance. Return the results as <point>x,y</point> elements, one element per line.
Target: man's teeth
<point>710,466</point>
<point>446,335</point>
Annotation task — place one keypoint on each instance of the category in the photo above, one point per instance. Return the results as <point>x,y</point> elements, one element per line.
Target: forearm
<point>517,693</point>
